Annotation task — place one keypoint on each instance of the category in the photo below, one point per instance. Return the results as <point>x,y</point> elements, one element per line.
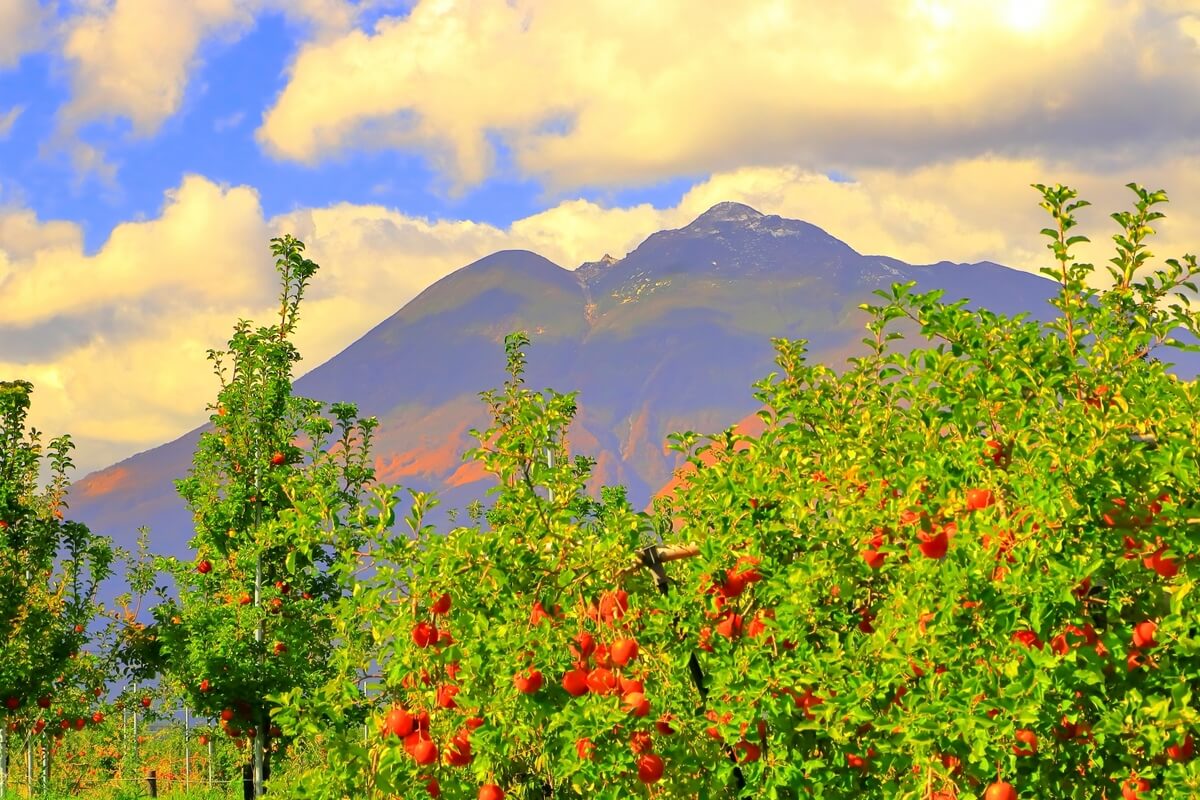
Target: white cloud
<point>229,122</point>
<point>7,120</point>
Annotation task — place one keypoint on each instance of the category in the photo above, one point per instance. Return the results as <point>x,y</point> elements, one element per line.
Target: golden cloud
<point>620,92</point>
<point>22,30</point>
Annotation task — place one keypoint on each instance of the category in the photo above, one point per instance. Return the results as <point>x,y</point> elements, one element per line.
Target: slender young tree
<point>276,507</point>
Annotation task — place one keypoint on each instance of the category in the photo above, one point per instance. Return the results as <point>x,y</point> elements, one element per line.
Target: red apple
<point>490,791</point>
<point>1143,634</point>
<point>997,452</point>
<point>624,651</point>
<point>874,558</point>
<point>585,645</point>
<point>398,722</point>
<point>528,683</point>
<point>748,752</point>
<point>747,567</point>
<point>1027,638</point>
<point>734,584</point>
<point>1182,752</point>
<point>637,704</point>
<point>1028,738</point>
<point>730,626</point>
<point>538,614</point>
<point>650,768</point>
<point>458,754</point>
<point>425,752</point>
<point>445,696</point>
<point>601,656</point>
<point>1132,788</point>
<point>584,748</point>
<point>613,605</point>
<point>601,681</point>
<point>640,742</point>
<point>441,605</point>
<point>204,567</point>
<point>1000,790</point>
<point>978,499</point>
<point>424,634</point>
<point>575,682</point>
<point>934,545</point>
<point>277,459</point>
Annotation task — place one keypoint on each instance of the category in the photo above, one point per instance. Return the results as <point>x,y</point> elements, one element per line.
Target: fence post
<point>45,767</point>
<point>152,780</point>
<point>187,753</point>
<point>29,765</point>
<point>134,713</point>
<point>3,761</point>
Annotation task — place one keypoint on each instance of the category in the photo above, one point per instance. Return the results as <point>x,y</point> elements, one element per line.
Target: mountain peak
<point>728,211</point>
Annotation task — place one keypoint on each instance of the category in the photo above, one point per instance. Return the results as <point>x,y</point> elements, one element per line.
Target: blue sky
<point>209,136</point>
<point>149,150</point>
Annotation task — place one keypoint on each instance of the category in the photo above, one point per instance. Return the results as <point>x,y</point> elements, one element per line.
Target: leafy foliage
<point>50,570</point>
<point>957,569</point>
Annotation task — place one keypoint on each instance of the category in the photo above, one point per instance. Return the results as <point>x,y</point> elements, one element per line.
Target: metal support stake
<point>187,753</point>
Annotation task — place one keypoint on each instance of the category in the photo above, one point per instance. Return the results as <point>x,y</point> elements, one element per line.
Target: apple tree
<point>275,490</point>
<point>50,569</point>
<point>957,571</point>
<point>975,557</point>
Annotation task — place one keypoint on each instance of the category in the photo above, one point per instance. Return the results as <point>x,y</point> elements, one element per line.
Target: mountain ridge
<point>669,337</point>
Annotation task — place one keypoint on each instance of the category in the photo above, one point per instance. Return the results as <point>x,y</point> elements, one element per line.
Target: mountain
<point>669,338</point>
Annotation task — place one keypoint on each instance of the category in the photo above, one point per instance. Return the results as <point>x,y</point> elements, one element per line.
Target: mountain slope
<point>669,338</point>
